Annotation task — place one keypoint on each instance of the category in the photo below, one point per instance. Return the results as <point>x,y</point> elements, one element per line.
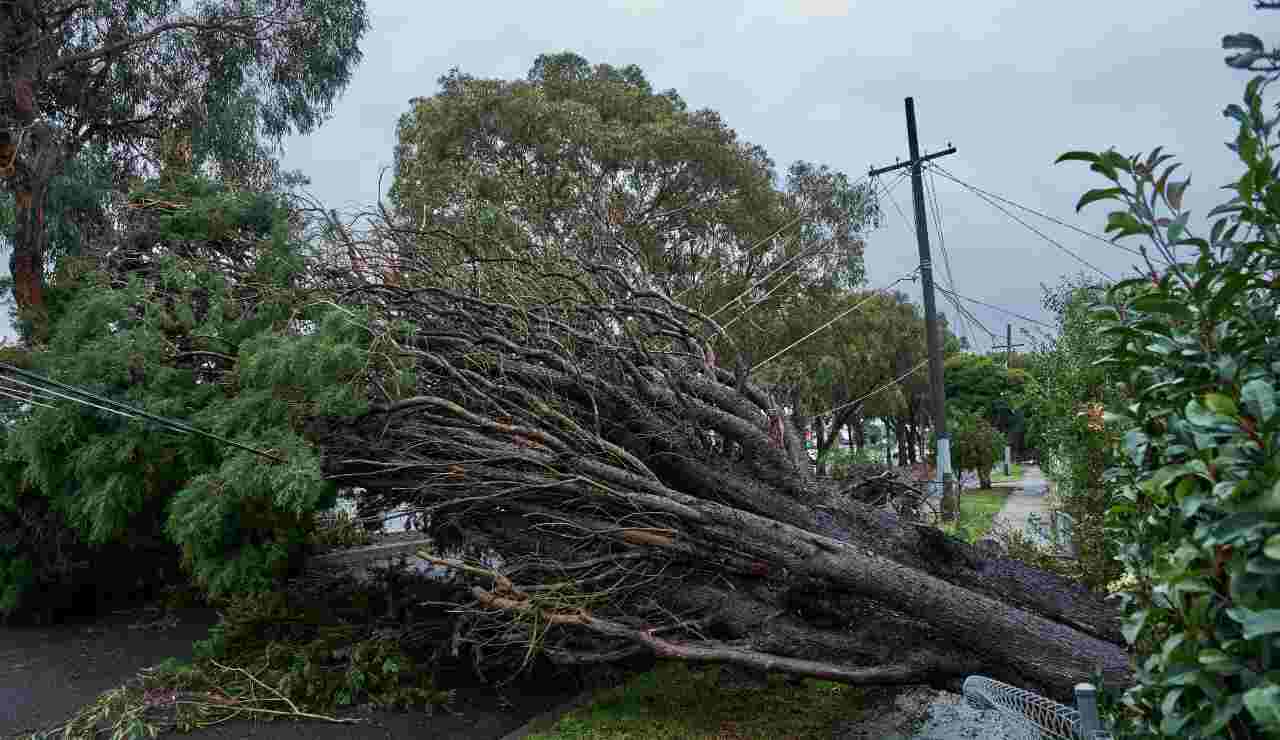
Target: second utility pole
<point>933,333</point>
<point>1008,363</point>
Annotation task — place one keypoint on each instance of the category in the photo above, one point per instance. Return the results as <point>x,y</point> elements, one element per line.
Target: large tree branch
<point>233,25</point>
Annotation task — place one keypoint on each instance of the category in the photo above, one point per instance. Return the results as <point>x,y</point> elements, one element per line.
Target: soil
<point>47,674</point>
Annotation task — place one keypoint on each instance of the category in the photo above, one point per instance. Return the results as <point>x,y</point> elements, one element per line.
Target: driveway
<point>1029,496</point>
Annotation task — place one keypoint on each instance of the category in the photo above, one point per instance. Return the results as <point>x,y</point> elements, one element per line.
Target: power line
<point>1044,236</point>
<point>798,255</point>
<point>888,191</point>
<point>1001,310</point>
<point>25,399</point>
<point>942,171</point>
<point>931,195</point>
<point>763,298</point>
<point>797,219</point>
<point>742,256</point>
<point>841,315</point>
<point>881,389</point>
<point>92,400</point>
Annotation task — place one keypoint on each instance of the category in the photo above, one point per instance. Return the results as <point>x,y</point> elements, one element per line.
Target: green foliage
<point>839,461</point>
<point>343,532</point>
<point>1064,396</point>
<point>978,510</point>
<point>983,386</point>
<point>313,658</point>
<point>975,444</point>
<point>268,660</point>
<point>277,357</point>
<point>1196,507</point>
<point>591,160</point>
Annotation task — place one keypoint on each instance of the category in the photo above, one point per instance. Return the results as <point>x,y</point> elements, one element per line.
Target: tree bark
<point>582,459</point>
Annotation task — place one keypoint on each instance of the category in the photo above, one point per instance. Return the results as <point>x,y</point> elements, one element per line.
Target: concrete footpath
<point>1031,496</point>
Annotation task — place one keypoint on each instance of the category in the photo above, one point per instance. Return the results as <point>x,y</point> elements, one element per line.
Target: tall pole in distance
<point>933,334</point>
<point>1008,363</point>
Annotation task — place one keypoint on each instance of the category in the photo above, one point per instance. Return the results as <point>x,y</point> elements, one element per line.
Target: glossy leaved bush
<point>1196,494</point>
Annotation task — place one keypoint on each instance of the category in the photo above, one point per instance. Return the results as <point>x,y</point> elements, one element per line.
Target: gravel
<point>951,718</point>
<point>921,713</point>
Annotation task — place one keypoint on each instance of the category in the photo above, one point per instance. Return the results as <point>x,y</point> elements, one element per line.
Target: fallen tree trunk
<point>640,498</point>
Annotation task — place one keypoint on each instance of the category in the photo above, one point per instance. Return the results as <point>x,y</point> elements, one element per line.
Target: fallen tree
<point>574,422</point>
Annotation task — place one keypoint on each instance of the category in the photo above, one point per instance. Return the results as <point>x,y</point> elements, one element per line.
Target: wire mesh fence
<point>1030,716</point>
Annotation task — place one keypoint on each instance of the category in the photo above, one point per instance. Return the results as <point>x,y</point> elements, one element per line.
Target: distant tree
<point>591,159</point>
<point>983,386</point>
<point>975,444</point>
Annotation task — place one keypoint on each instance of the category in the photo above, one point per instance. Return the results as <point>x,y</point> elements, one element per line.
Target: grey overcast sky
<point>1011,85</point>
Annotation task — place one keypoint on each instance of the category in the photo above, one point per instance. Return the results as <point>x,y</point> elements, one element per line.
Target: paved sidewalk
<point>1031,497</point>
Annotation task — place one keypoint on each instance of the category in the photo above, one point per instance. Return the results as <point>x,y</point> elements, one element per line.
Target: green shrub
<point>1065,393</point>
<point>78,480</point>
<point>1196,499</point>
<point>841,460</point>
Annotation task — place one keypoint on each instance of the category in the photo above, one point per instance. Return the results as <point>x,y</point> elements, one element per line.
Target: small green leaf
<point>1236,112</point>
<point>1158,304</point>
<point>1221,404</point>
<point>1264,704</point>
<point>1246,41</point>
<point>1112,158</point>
<point>1133,626</point>
<point>1173,193</point>
<point>1231,288</point>
<point>1124,224</point>
<point>1216,661</point>
<point>1076,156</point>
<point>1272,547</point>
<point>1256,623</point>
<point>1240,526</point>
<point>1170,702</point>
<point>1178,227</point>
<point>1259,398</point>
<point>1098,194</point>
<point>1160,183</point>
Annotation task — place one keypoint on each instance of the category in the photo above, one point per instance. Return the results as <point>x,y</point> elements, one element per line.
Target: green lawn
<point>978,508</point>
<point>676,701</point>
<point>1015,473</point>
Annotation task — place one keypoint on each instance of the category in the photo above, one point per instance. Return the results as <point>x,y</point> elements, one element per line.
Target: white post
<point>1087,705</point>
<point>1008,460</point>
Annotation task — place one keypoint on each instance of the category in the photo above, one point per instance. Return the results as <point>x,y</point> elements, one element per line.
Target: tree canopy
<point>127,76</point>
<point>593,157</point>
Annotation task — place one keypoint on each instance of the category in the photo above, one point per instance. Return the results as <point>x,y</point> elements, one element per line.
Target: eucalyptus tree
<point>593,161</point>
<point>122,75</point>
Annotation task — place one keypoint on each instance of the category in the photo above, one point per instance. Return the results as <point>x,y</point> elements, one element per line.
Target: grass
<point>679,701</point>
<point>1015,473</point>
<point>978,508</point>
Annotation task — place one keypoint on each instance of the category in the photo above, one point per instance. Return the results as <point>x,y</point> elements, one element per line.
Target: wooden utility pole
<point>933,336</point>
<point>1008,346</point>
<point>1008,360</point>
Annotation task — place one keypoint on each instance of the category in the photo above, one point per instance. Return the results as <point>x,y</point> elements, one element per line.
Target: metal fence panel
<point>1036,717</point>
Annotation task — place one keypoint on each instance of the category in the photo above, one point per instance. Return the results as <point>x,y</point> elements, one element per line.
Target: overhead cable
<point>942,171</point>
<point>1046,237</point>
<point>997,308</point>
<point>881,389</point>
<point>909,276</point>
<point>93,400</point>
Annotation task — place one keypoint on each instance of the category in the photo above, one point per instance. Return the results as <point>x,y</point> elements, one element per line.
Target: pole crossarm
<point>908,163</point>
